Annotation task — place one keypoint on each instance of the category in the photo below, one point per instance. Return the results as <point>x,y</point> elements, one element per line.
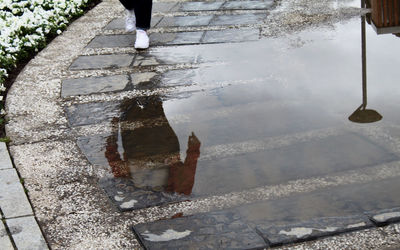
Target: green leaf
<point>5,139</point>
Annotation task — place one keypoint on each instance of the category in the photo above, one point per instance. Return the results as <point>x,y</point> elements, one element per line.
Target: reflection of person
<point>181,175</point>
<point>151,151</point>
<point>138,16</point>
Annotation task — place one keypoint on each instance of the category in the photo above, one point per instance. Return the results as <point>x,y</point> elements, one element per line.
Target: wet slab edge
<point>385,217</point>
<point>217,230</point>
<point>123,193</point>
<point>277,235</point>
<point>276,229</point>
<point>226,230</point>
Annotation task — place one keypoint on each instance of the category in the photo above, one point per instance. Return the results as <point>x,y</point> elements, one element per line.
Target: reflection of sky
<point>315,74</point>
<point>346,3</point>
<point>318,4</point>
<point>383,60</point>
<point>274,87</point>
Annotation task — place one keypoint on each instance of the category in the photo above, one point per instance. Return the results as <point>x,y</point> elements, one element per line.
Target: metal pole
<point>364,58</point>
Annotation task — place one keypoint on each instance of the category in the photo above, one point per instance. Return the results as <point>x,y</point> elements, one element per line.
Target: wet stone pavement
<point>217,108</point>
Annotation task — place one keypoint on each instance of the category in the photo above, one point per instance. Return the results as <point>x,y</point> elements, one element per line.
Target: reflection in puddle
<point>384,17</point>
<point>362,114</point>
<point>262,118</point>
<point>151,154</point>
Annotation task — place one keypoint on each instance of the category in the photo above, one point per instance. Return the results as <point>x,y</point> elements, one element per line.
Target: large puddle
<point>253,114</point>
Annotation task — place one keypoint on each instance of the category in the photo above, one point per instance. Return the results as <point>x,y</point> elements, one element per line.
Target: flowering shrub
<point>25,25</point>
<point>3,74</point>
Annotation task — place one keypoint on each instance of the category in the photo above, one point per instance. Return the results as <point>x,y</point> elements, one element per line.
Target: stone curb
<point>19,228</point>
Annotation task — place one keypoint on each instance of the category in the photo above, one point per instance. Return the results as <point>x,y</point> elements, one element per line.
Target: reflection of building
<point>151,156</point>
<point>385,15</point>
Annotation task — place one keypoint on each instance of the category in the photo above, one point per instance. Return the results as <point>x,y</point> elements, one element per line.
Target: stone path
<point>211,80</point>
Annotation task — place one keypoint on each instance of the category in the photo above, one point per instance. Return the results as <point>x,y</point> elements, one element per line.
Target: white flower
<point>28,23</point>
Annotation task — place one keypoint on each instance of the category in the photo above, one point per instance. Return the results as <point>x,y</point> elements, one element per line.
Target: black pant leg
<point>143,13</point>
<point>128,4</point>
<point>142,10</point>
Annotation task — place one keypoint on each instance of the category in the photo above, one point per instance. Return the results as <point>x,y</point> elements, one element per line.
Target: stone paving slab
<point>339,201</point>
<point>242,19</point>
<point>385,217</point>
<point>288,220</point>
<point>119,23</point>
<point>13,200</point>
<point>128,40</point>
<point>165,6</point>
<point>216,230</point>
<point>92,154</point>
<point>178,77</point>
<point>13,204</point>
<point>231,35</point>
<point>189,21</point>
<point>146,79</point>
<point>228,174</point>
<point>5,161</point>
<point>227,5</point>
<point>185,21</point>
<point>101,62</point>
<point>126,196</point>
<point>160,57</point>
<point>187,37</point>
<point>248,5</point>
<point>146,60</point>
<point>278,235</point>
<point>78,114</point>
<point>91,85</point>
<point>112,41</point>
<point>201,6</point>
<point>26,233</point>
<point>5,242</point>
<point>180,38</point>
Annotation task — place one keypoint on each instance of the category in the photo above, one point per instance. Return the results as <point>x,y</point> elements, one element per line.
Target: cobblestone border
<point>18,228</point>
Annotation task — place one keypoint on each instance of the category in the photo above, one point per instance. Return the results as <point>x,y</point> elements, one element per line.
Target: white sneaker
<point>130,21</point>
<point>142,40</point>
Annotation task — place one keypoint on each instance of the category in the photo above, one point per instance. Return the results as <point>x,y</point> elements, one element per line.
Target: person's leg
<point>143,20</point>
<point>142,10</point>
<point>128,4</point>
<point>130,20</point>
